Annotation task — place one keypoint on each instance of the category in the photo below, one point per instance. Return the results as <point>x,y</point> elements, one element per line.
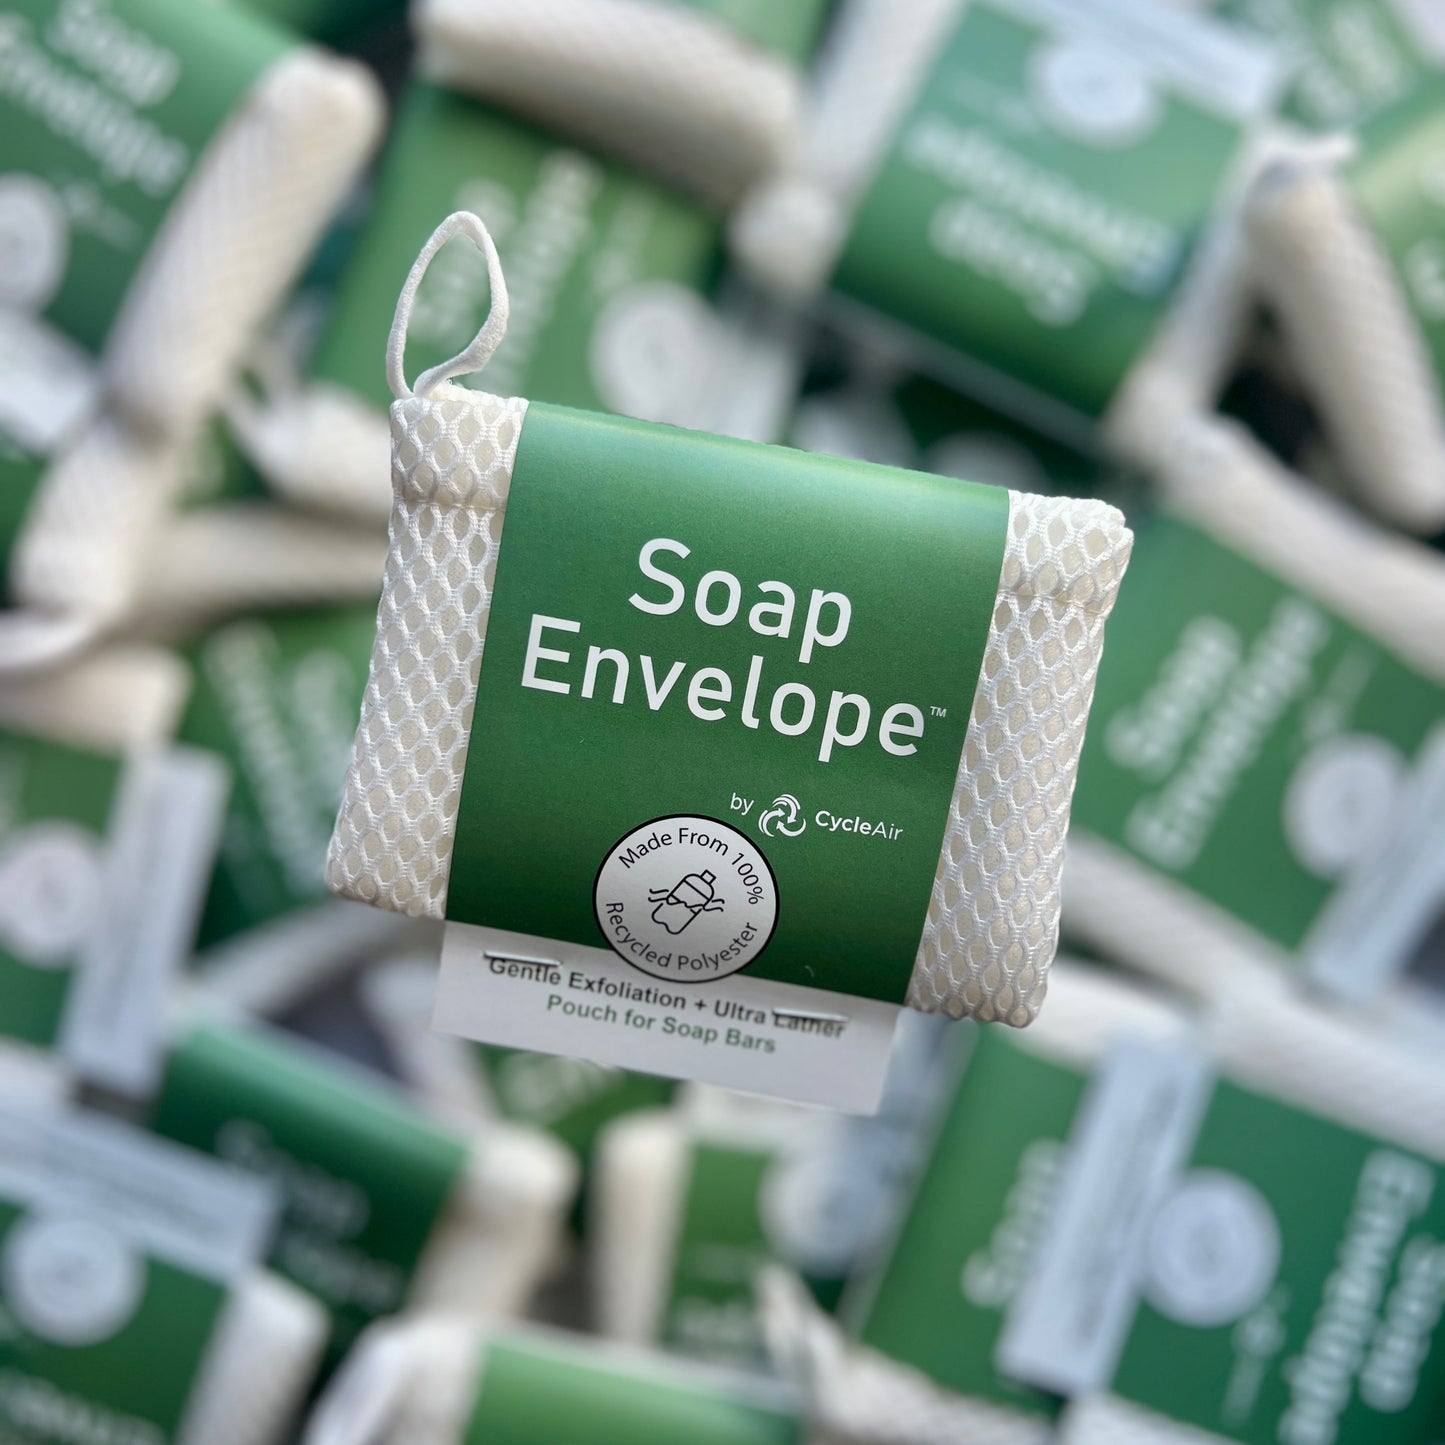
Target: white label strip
<point>1364,938</point>
<point>1425,20</point>
<point>193,1211</point>
<point>804,1044</point>
<point>47,383</point>
<point>163,838</point>
<point>1134,1131</point>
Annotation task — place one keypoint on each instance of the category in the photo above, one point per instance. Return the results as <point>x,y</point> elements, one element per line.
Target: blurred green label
<point>1398,181</point>
<point>105,107</point>
<point>605,270</point>
<point>533,1390</point>
<point>1041,197</point>
<point>1348,59</point>
<point>278,697</point>
<point>55,806</point>
<point>789,30</point>
<point>939,1301</point>
<point>363,1177</point>
<point>1244,742</point>
<point>98,1341</point>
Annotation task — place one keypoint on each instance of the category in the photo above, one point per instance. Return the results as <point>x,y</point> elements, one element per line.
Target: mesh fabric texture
<point>249,216</point>
<point>240,556</point>
<point>858,1396</point>
<point>992,922</point>
<point>668,88</point>
<point>1355,340</point>
<point>451,474</point>
<point>263,1354</point>
<point>235,238</point>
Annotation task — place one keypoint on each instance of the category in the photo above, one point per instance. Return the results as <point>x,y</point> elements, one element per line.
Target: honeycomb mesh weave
<point>992,922</point>
<point>451,473</point>
<point>993,918</point>
<point>1350,327</point>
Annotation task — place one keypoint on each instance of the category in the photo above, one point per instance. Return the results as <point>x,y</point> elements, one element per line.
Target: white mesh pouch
<point>1354,338</point>
<point>992,921</point>
<point>502,1226</point>
<point>258,1367</point>
<point>665,86</point>
<point>251,212</point>
<point>417,1382</point>
<point>1215,475</point>
<point>791,230</point>
<point>240,556</point>
<point>234,239</point>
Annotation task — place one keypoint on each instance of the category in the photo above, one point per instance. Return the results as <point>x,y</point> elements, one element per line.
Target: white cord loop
<point>484,343</point>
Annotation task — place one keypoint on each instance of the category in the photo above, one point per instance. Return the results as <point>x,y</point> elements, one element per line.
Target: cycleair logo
<point>686,898</point>
<point>785,817</point>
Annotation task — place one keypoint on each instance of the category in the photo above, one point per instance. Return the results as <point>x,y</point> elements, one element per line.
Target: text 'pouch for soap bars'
<point>1348,252</point>
<point>1036,201</point>
<point>847,771</point>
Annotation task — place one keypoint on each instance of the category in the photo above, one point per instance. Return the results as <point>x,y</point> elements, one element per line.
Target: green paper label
<point>1341,1339</point>
<point>724,697</point>
<point>55,812</point>
<point>790,30</point>
<point>1398,181</point>
<point>1244,742</point>
<point>97,1341</point>
<point>1348,59</point>
<point>105,106</point>
<point>722,1243</point>
<point>605,269</point>
<point>538,1391</point>
<point>1037,206</point>
<point>1264,1274</point>
<point>940,1300</point>
<point>277,697</point>
<point>363,1177</point>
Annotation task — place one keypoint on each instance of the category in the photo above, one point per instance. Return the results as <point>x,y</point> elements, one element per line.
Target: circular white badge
<point>34,242</point>
<point>1094,93</point>
<point>686,898</point>
<point>70,1281</point>
<point>51,880</point>
<point>1340,801</point>
<point>651,350</point>
<point>1213,1250</point>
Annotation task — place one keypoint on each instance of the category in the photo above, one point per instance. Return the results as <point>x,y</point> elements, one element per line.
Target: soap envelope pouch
<point>731,750</point>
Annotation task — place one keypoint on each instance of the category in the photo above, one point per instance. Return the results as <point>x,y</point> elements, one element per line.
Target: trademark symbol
<point>939,711</point>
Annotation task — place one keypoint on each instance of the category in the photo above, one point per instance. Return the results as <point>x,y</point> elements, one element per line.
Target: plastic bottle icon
<point>679,905</point>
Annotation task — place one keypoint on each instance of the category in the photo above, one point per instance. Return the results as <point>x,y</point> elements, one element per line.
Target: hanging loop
<point>483,344</point>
